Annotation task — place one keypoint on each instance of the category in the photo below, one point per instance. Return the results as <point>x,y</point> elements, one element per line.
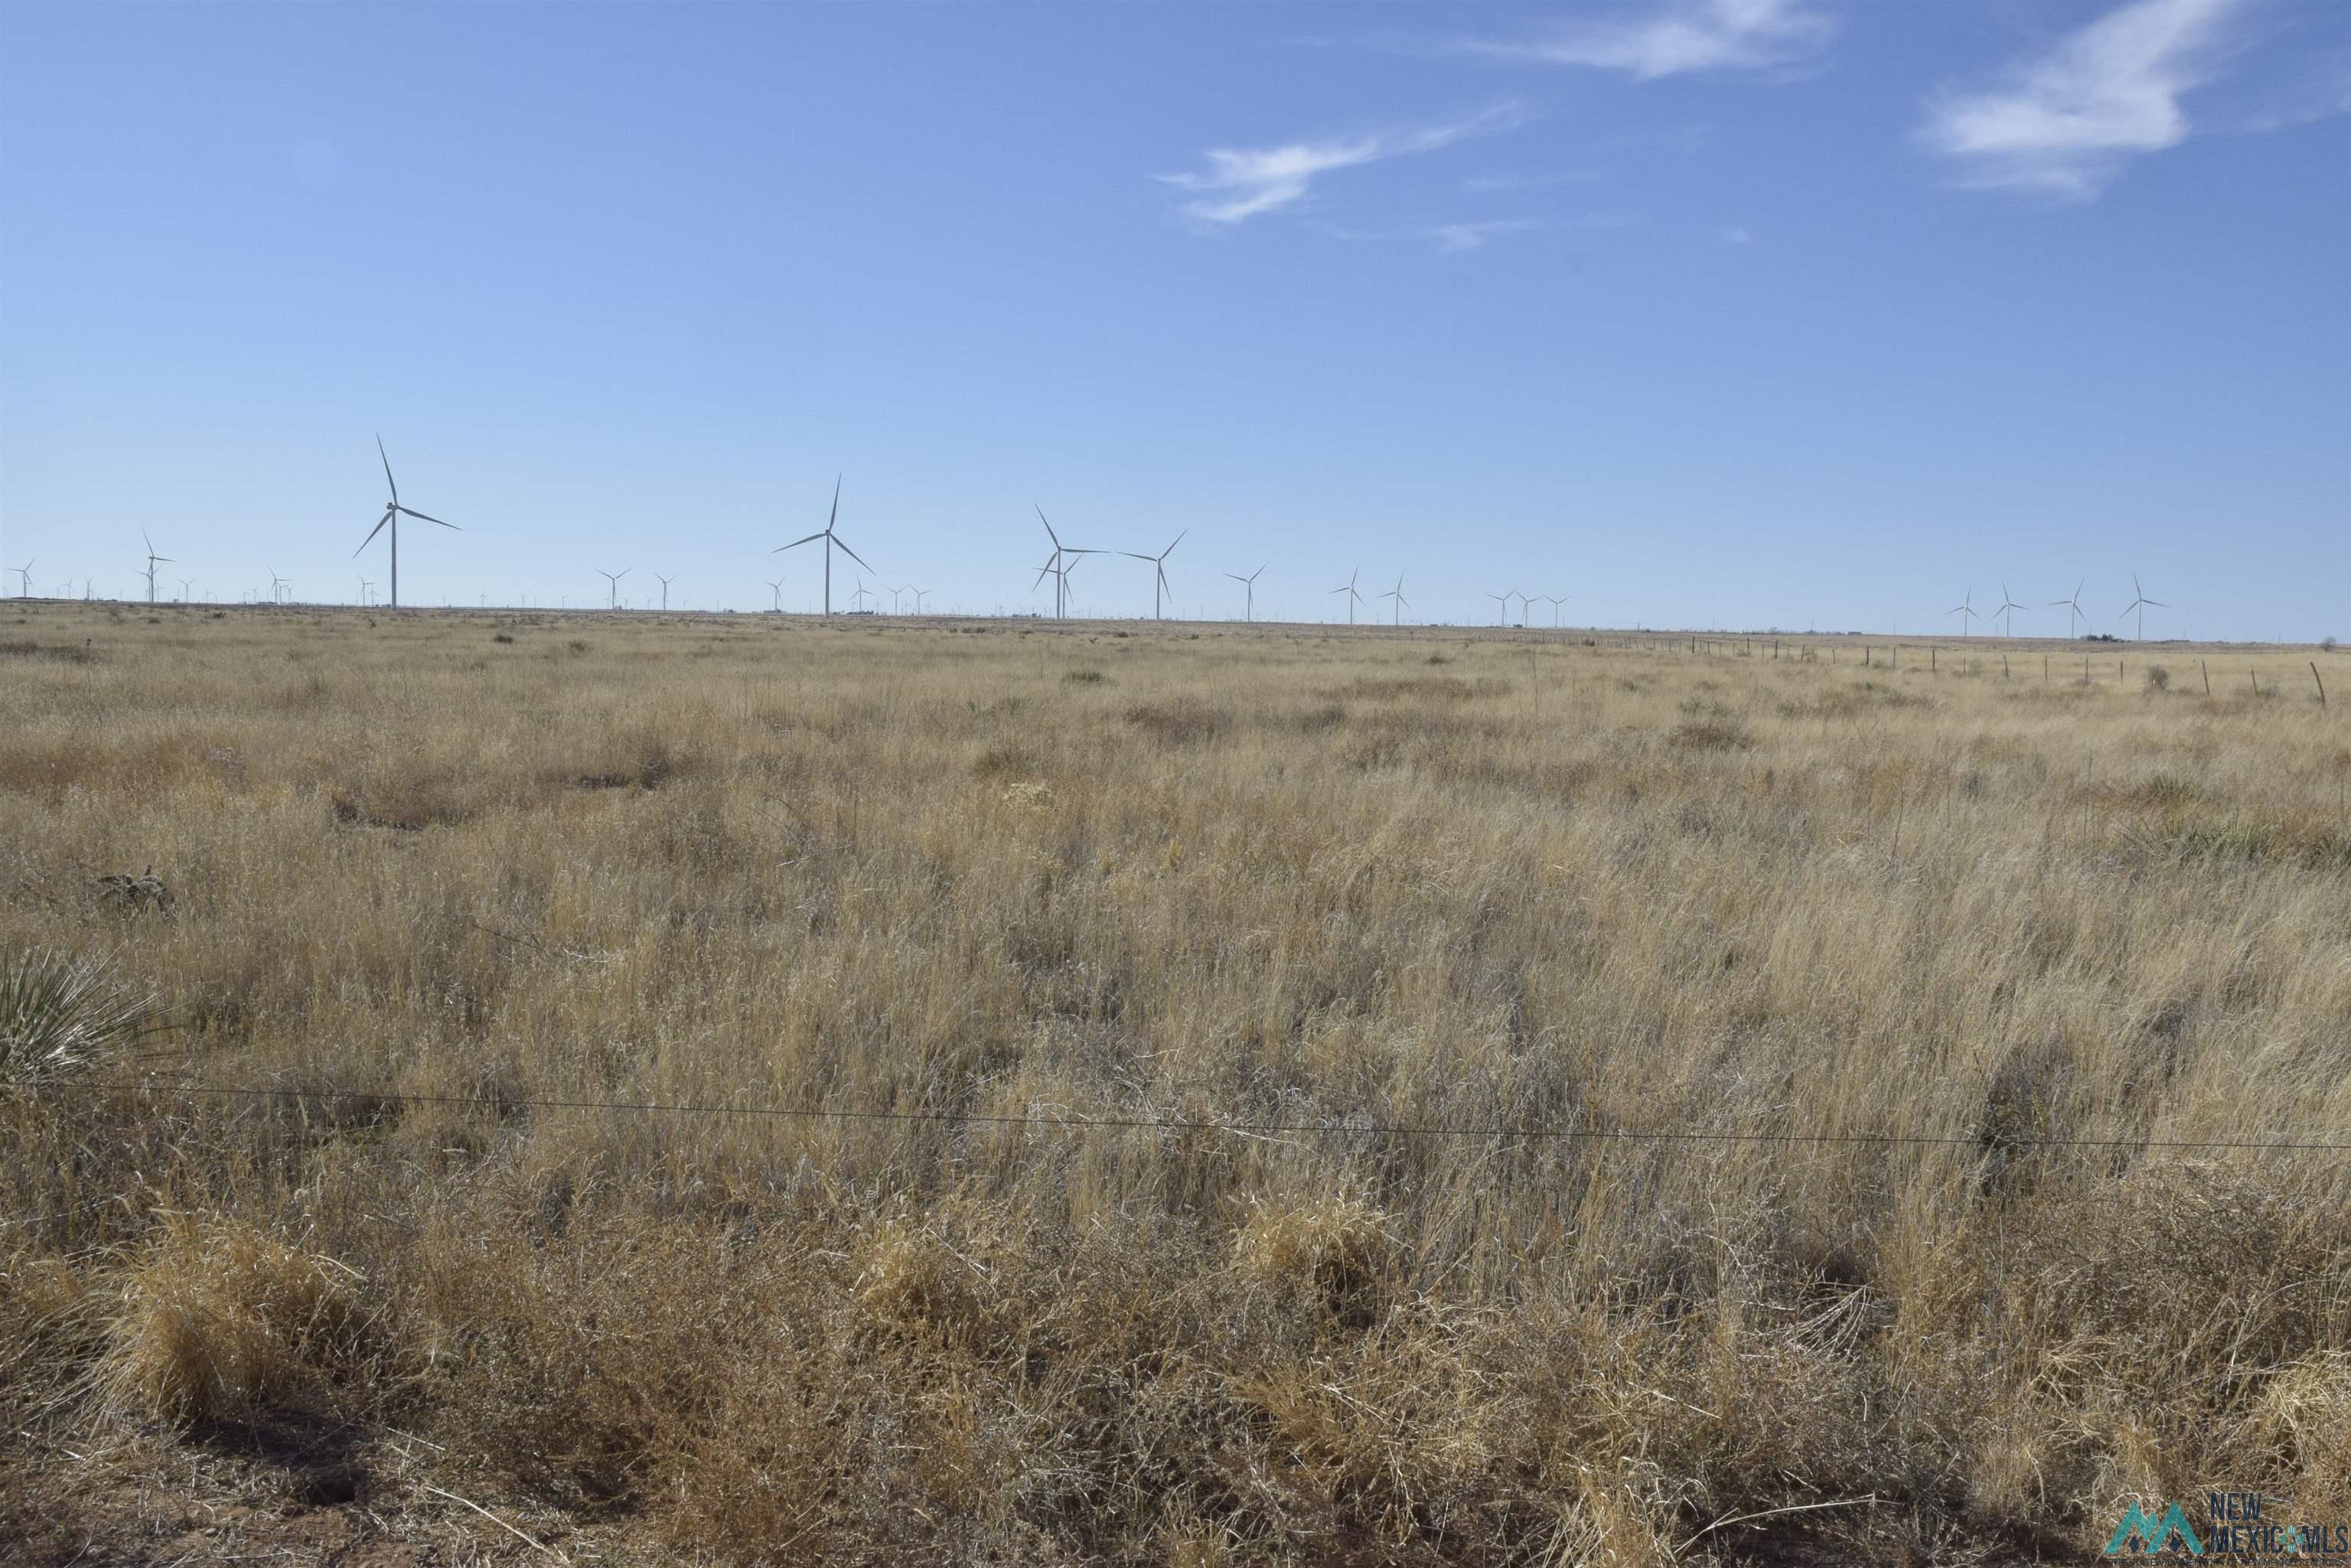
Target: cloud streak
<point>2063,122</point>
<point>1241,184</point>
<point>1681,37</point>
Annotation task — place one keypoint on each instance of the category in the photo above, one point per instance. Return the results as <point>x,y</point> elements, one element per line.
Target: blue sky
<point>1714,312</point>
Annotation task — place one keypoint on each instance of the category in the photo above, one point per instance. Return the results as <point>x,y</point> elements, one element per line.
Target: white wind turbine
<point>1504,601</point>
<point>1397,593</point>
<point>831,539</point>
<point>185,586</point>
<point>1555,600</point>
<point>1064,559</point>
<point>278,585</point>
<point>665,581</point>
<point>2006,611</point>
<point>1158,570</point>
<point>778,587</point>
<point>613,577</point>
<point>2142,603</point>
<point>151,559</point>
<point>393,512</point>
<point>2073,606</point>
<point>1965,609</point>
<point>857,599</point>
<point>1250,584</point>
<point>1354,597</point>
<point>25,578</point>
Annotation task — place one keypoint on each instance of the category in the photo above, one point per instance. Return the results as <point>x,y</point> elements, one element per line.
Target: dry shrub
<point>910,1279</point>
<point>215,1320</point>
<point>1710,735</point>
<point>1187,721</point>
<point>1336,1248</point>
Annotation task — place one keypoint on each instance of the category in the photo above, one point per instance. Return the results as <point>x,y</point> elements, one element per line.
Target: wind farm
<point>1227,1040</point>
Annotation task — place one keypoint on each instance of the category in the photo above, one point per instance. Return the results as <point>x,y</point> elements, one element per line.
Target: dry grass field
<point>1628,1105</point>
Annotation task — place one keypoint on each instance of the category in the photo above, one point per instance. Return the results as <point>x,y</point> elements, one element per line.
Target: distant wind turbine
<point>1965,609</point>
<point>1397,593</point>
<point>614,579</point>
<point>1354,597</point>
<point>2006,611</point>
<point>2142,603</point>
<point>665,581</point>
<point>364,586</point>
<point>1504,601</point>
<point>25,578</point>
<point>277,585</point>
<point>857,599</point>
<point>1158,570</point>
<point>184,587</point>
<point>151,559</point>
<point>831,539</point>
<point>1555,600</point>
<point>2073,606</point>
<point>778,587</point>
<point>920,594</point>
<point>1064,558</point>
<point>1250,583</point>
<point>393,512</point>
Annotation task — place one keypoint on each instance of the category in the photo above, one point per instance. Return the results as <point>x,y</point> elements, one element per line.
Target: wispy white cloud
<point>1680,36</point>
<point>1240,183</point>
<point>2062,123</point>
<point>1734,234</point>
<point>1454,238</point>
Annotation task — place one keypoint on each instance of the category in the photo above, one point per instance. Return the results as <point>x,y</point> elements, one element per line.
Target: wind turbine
<point>364,586</point>
<point>1064,558</point>
<point>778,587</point>
<point>1354,597</point>
<point>185,586</point>
<point>614,579</point>
<point>1158,570</point>
<point>1397,593</point>
<point>151,559</point>
<point>826,535</point>
<point>2073,606</point>
<point>2007,608</point>
<point>665,581</point>
<point>25,578</point>
<point>857,599</point>
<point>1965,609</point>
<point>1250,583</point>
<point>2141,603</point>
<point>277,585</point>
<point>393,512</point>
<point>920,594</point>
<point>1554,600</point>
<point>1504,601</point>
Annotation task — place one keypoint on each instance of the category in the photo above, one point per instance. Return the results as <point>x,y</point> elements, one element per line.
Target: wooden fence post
<point>2207,674</point>
<point>2322,684</point>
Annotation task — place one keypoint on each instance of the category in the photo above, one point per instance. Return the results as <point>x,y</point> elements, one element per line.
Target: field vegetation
<point>740,1090</point>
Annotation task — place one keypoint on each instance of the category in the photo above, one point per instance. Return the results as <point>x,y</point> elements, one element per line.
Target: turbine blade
<point>1048,526</point>
<point>371,534</point>
<point>853,556</point>
<point>1043,573</point>
<point>1132,555</point>
<point>796,544</point>
<point>422,519</point>
<point>1171,549</point>
<point>387,470</point>
<point>835,515</point>
<point>2156,604</point>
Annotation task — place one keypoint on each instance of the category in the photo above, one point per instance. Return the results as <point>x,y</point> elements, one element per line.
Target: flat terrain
<point>745,1089</point>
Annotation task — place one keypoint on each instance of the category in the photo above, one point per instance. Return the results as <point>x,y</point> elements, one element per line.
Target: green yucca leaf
<point>59,1013</point>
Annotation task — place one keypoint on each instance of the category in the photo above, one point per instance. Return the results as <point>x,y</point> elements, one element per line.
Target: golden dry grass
<point>1355,885</point>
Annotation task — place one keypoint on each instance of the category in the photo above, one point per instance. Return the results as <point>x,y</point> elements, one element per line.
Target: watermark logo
<point>2139,1534</point>
<point>2238,1527</point>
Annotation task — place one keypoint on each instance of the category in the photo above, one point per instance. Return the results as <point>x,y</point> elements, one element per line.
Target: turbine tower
<point>151,559</point>
<point>778,587</point>
<point>1397,593</point>
<point>1504,601</point>
<point>1158,570</point>
<point>1064,557</point>
<point>2073,606</point>
<point>393,512</point>
<point>2142,603</point>
<point>831,539</point>
<point>25,578</point>
<point>1555,600</point>
<point>1354,597</point>
<point>1965,609</point>
<point>1250,583</point>
<point>613,577</point>
<point>2006,611</point>
<point>665,581</point>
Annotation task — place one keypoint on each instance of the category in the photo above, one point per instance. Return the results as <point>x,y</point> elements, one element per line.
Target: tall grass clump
<point>60,1013</point>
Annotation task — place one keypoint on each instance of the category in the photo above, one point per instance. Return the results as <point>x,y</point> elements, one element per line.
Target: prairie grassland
<point>971,887</point>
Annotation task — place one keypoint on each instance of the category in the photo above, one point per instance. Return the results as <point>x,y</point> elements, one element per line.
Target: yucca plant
<point>59,1013</point>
